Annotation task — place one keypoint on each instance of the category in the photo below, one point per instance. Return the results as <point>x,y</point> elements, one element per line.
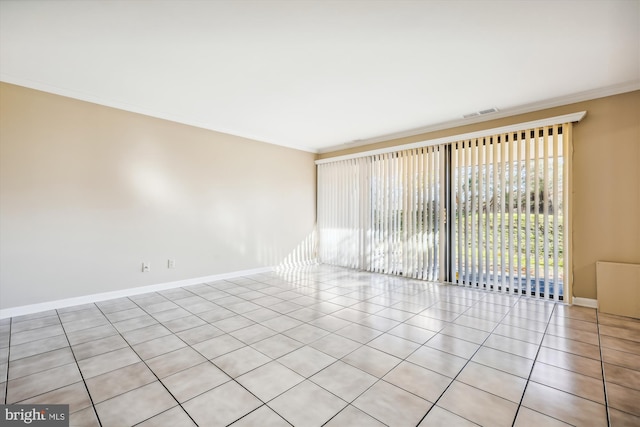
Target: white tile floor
<point>321,345</point>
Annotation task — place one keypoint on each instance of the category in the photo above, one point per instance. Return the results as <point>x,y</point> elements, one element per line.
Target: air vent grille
<point>481,113</point>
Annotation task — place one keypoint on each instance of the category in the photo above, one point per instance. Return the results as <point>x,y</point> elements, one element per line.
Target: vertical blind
<point>508,196</point>
<point>383,213</point>
<point>510,204</point>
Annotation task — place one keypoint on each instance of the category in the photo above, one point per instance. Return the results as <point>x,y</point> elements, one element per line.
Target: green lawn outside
<point>515,224</point>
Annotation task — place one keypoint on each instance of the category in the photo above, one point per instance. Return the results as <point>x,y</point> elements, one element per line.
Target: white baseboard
<point>85,299</point>
<point>585,302</point>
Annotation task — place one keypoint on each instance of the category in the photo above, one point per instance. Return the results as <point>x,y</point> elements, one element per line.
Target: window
<point>487,211</point>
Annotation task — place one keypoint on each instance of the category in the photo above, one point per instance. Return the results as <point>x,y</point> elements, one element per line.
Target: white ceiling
<point>315,75</point>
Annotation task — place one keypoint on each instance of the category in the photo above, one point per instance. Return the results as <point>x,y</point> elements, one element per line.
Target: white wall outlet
<point>171,263</point>
<point>146,267</point>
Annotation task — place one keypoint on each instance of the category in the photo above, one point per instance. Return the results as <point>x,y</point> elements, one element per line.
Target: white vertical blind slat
<point>415,206</point>
<point>441,219</point>
<point>424,238</point>
<point>487,211</point>
<point>439,212</point>
<point>479,221</point>
<point>468,212</point>
<point>455,203</point>
<point>426,214</point>
<point>431,226</point>
<point>536,217</point>
<point>495,196</point>
<point>417,191</point>
<point>509,214</point>
<point>503,220</point>
<point>545,210</point>
<point>518,210</point>
<point>398,193</point>
<point>556,213</point>
<point>474,204</point>
<point>403,217</point>
<point>409,207</point>
<point>527,175</point>
<point>384,213</point>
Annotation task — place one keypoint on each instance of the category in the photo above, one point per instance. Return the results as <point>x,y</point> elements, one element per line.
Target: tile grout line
<point>524,391</point>
<point>469,360</point>
<point>564,369</point>
<point>308,322</point>
<point>361,345</point>
<point>207,359</point>
<point>275,360</point>
<point>118,333</point>
<point>401,359</point>
<point>378,379</point>
<point>604,378</point>
<point>226,333</point>
<point>106,318</point>
<point>84,382</point>
<point>311,290</point>
<point>337,359</point>
<point>6,384</point>
<point>188,345</point>
<point>145,363</point>
<point>421,345</point>
<point>44,370</point>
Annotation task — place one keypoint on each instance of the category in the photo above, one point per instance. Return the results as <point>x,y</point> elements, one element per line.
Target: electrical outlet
<point>171,263</point>
<point>146,267</point>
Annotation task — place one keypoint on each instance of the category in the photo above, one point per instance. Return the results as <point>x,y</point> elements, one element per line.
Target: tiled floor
<point>326,346</point>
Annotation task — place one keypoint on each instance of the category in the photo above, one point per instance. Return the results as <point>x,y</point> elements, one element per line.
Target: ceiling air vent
<point>481,113</point>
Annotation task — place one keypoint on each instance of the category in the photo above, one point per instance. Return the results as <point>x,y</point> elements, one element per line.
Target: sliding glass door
<point>486,212</point>
<point>510,205</point>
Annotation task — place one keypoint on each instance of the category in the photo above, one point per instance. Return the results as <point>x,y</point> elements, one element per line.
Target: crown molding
<point>523,109</point>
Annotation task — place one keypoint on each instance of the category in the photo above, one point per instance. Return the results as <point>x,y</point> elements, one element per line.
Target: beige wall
<point>605,177</point>
<point>87,193</point>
